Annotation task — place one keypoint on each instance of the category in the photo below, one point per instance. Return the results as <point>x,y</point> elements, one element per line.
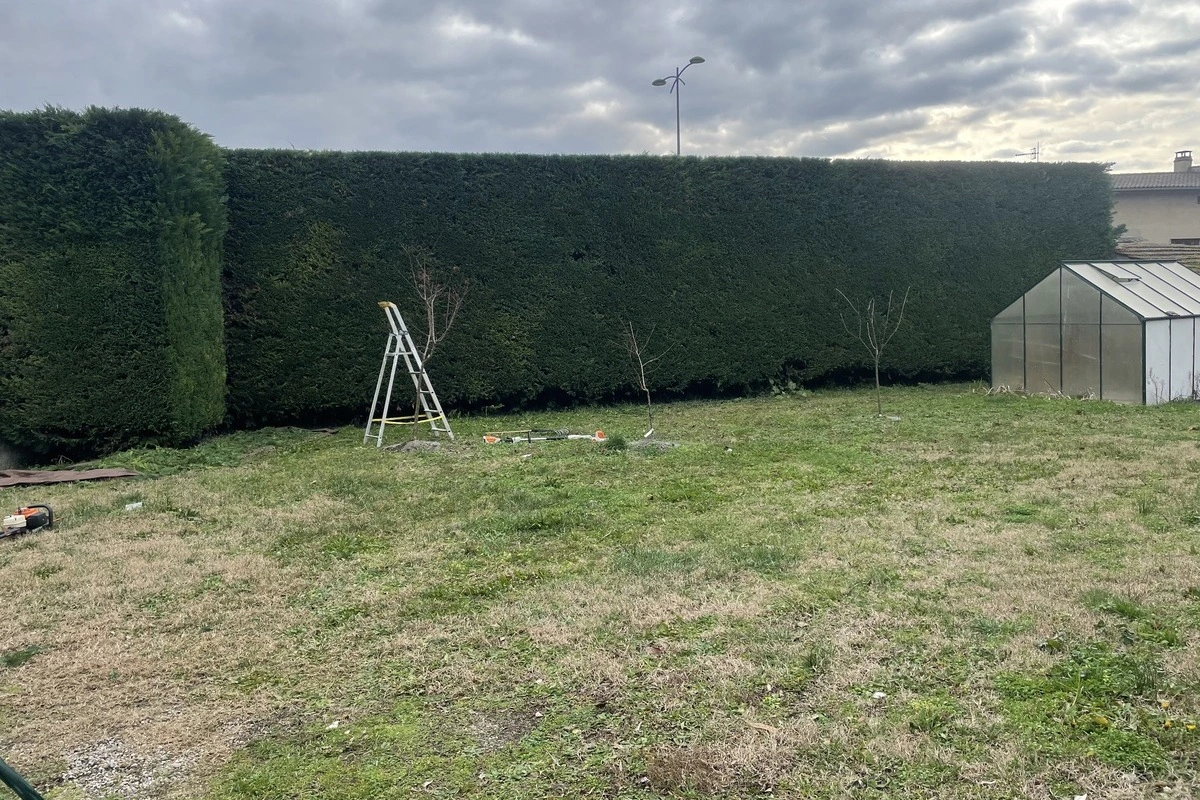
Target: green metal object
<point>18,784</point>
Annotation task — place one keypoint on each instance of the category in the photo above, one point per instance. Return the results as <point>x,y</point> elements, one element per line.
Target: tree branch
<point>899,316</point>
<point>858,331</point>
<point>440,300</point>
<point>880,328</point>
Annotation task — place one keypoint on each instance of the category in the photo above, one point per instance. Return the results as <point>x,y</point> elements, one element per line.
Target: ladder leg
<point>387,401</point>
<point>378,386</point>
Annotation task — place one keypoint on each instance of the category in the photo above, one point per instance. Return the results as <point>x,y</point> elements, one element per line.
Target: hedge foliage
<point>735,263</point>
<point>111,231</point>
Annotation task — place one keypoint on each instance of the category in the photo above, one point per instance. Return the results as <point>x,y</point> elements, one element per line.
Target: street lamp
<point>675,80</point>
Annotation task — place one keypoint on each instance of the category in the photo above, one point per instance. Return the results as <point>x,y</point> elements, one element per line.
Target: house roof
<point>1186,254</point>
<point>1145,181</point>
<point>1150,289</point>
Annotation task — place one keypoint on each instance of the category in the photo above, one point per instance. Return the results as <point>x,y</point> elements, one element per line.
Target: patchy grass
<point>991,596</point>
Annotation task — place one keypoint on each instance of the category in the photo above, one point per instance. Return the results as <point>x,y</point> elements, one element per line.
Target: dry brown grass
<point>749,760</point>
<point>136,650</point>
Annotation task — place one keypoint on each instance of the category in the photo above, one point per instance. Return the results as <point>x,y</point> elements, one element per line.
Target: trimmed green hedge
<point>734,261</point>
<point>111,230</point>
<point>113,227</point>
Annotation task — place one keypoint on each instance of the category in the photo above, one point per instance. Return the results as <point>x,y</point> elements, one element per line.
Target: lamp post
<point>675,80</point>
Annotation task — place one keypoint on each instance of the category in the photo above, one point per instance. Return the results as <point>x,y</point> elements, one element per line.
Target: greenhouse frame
<point>1117,330</point>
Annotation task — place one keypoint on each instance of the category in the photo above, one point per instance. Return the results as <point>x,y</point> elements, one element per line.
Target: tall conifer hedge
<point>111,230</point>
<point>734,261</point>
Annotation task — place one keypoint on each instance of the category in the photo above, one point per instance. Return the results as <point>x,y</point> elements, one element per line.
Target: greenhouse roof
<point>1150,289</point>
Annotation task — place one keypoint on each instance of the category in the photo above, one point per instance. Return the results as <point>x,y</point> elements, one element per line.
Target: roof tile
<point>1134,181</point>
<point>1186,254</point>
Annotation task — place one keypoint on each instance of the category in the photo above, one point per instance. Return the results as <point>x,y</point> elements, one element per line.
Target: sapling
<point>874,329</point>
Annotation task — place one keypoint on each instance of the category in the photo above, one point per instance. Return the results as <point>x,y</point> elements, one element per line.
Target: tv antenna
<point>1035,154</point>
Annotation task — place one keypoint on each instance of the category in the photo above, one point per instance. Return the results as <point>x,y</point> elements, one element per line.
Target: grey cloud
<point>821,77</point>
<point>1154,78</point>
<point>969,43</point>
<point>1106,12</point>
<point>1164,49</point>
<point>861,134</point>
<point>1074,147</point>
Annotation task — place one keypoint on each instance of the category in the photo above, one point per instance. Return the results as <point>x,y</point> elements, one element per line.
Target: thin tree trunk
<point>878,398</point>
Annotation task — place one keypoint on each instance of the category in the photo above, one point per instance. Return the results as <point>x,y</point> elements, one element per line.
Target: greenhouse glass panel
<point>1183,347</point>
<point>1157,368</point>
<point>1080,301</point>
<point>1014,314</point>
<point>1196,363</point>
<point>1160,290</point>
<point>1043,344</point>
<point>1113,313</point>
<point>1008,356</point>
<point>1041,302</point>
<point>1081,358</point>
<point>1121,362</point>
<point>1125,293</point>
<point>1181,278</point>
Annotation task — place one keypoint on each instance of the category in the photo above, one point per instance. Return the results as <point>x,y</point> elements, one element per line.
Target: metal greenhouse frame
<point>1119,330</point>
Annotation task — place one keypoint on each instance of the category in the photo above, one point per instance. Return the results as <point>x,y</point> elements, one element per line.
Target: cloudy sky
<point>1091,80</point>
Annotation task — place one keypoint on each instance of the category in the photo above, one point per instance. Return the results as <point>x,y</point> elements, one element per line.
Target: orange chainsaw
<point>27,520</point>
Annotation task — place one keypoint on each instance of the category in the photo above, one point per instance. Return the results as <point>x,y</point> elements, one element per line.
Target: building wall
<point>1159,216</point>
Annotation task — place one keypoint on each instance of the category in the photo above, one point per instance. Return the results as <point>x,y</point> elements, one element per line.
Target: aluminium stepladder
<point>400,345</point>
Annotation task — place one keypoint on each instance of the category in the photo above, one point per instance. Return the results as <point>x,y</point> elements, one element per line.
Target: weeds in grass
<point>614,444</point>
<point>15,658</point>
<point>932,715</point>
<point>1100,702</point>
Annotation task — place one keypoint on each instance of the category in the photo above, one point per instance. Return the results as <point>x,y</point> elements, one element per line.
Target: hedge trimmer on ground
<point>27,520</point>
<point>544,435</point>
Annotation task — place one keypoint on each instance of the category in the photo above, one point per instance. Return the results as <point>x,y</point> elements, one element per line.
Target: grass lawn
<point>990,596</point>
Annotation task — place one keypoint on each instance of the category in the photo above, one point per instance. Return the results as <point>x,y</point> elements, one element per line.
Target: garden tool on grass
<point>13,780</point>
<point>27,520</point>
<point>545,435</point>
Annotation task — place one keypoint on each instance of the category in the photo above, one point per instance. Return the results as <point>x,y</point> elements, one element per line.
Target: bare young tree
<point>644,365</point>
<point>441,298</point>
<point>874,328</point>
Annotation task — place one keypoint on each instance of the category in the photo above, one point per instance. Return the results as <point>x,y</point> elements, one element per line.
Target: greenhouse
<point>1117,330</point>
